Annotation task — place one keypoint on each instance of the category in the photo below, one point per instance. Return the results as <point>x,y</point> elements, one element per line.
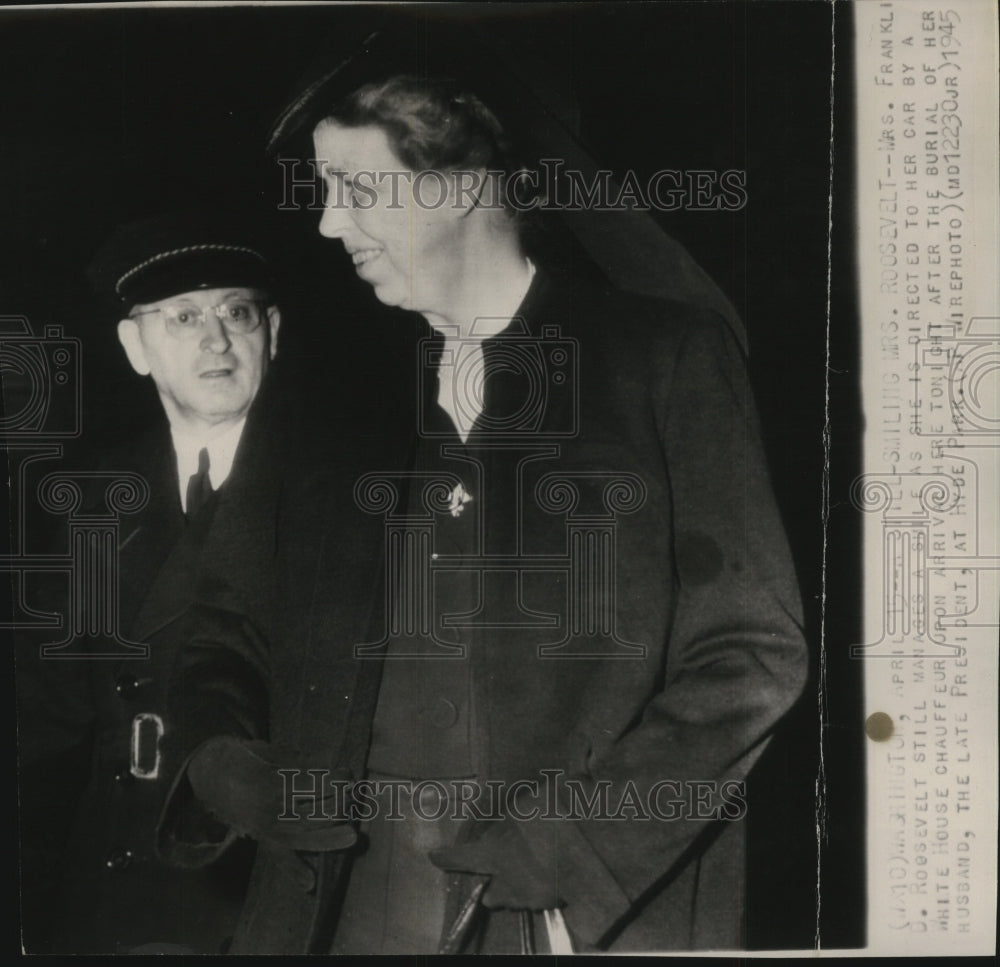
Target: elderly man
<point>585,623</point>
<point>195,299</point>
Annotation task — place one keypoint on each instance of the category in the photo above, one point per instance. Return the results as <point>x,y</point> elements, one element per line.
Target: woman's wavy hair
<point>430,123</point>
<point>436,124</point>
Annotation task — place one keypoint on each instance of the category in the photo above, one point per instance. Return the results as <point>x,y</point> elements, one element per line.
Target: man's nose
<point>215,336</point>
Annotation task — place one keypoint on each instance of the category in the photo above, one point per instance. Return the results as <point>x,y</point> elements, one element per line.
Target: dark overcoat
<point>102,731</point>
<point>651,631</point>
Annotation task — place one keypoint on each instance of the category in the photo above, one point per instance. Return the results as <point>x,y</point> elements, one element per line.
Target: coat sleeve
<point>736,658</point>
<point>218,687</point>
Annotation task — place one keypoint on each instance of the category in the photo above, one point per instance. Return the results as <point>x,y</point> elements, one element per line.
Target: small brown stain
<point>879,726</point>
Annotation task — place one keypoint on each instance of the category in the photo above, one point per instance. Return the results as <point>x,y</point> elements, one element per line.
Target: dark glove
<point>240,783</point>
<point>522,877</point>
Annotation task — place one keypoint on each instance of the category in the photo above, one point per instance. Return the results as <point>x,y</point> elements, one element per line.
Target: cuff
<point>187,835</point>
<point>595,901</point>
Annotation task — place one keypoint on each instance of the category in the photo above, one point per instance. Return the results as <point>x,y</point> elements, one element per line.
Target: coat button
<point>123,775</point>
<point>444,715</point>
<point>432,799</point>
<point>126,686</point>
<point>118,860</point>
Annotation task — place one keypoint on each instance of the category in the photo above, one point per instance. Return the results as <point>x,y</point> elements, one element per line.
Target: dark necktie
<point>199,488</point>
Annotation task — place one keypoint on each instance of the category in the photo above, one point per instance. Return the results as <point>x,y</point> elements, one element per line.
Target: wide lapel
<point>172,590</point>
<point>147,539</point>
<point>346,608</point>
<point>241,544</point>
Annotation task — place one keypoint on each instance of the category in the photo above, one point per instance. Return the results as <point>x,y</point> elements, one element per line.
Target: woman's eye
<point>187,318</point>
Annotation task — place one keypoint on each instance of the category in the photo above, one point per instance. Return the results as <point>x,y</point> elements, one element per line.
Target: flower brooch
<point>459,498</point>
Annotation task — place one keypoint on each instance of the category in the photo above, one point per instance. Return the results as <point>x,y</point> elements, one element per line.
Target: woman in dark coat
<point>594,608</point>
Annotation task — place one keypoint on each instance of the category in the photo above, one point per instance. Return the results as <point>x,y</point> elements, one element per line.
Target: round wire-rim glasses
<point>238,316</point>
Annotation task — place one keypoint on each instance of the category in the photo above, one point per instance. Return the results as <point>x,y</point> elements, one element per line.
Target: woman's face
<point>401,227</point>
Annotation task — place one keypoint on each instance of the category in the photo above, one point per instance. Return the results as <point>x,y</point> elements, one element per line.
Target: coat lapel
<point>172,589</point>
<point>146,541</point>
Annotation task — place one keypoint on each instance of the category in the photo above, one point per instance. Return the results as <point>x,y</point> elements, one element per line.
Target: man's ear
<point>273,325</point>
<point>128,336</point>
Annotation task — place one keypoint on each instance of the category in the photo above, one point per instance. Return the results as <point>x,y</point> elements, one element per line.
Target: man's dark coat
<point>702,583</point>
<point>115,893</point>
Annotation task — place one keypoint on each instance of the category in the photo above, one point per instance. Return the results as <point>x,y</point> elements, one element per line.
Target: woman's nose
<point>335,221</point>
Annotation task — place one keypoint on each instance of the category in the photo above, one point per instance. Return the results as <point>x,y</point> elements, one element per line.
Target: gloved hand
<point>239,782</point>
<point>522,877</point>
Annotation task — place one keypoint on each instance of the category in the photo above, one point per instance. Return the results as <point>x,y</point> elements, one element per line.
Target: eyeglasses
<point>239,317</point>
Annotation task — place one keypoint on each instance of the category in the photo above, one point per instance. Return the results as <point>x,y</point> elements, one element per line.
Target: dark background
<point>112,114</point>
